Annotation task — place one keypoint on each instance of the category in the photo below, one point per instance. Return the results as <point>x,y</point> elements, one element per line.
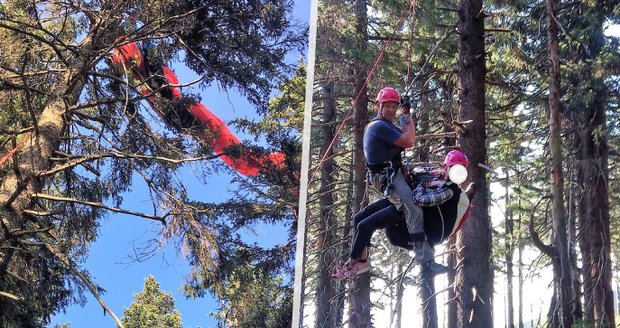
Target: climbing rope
<point>14,150</point>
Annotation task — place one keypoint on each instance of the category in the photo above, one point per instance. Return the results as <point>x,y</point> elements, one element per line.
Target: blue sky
<point>109,261</point>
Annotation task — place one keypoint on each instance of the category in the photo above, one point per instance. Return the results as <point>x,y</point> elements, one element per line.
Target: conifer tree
<point>152,307</point>
<point>83,136</point>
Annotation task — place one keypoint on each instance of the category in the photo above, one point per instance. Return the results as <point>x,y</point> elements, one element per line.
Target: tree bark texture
<point>429,301</point>
<point>474,278</point>
<point>360,305</point>
<point>595,245</point>
<point>572,244</point>
<point>452,263</point>
<point>19,185</point>
<point>562,272</point>
<point>327,233</point>
<point>592,151</point>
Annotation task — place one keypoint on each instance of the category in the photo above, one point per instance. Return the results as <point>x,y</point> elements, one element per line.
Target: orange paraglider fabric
<point>128,57</point>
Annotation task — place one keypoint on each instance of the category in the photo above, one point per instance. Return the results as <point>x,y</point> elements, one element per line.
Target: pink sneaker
<point>347,270</point>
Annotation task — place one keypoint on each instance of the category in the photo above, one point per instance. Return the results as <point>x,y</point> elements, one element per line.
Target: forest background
<point>105,191</point>
<point>529,91</point>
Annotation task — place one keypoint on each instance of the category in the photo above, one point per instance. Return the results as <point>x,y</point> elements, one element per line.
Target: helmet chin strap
<point>381,111</point>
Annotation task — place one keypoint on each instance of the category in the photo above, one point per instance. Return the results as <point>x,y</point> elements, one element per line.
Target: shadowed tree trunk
<point>346,247</point>
<point>572,243</point>
<point>400,290</point>
<point>591,148</point>
<point>327,226</point>
<point>520,266</point>
<point>359,308</point>
<point>509,249</point>
<point>474,278</point>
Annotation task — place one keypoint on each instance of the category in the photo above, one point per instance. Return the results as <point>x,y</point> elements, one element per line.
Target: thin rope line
<point>12,152</point>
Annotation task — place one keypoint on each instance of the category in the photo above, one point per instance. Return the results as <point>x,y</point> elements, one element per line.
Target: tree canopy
<point>83,135</point>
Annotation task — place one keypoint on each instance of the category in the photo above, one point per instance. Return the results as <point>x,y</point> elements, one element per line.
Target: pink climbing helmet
<point>456,157</point>
<point>388,94</point>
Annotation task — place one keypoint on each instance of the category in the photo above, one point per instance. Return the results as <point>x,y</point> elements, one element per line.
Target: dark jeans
<point>378,215</point>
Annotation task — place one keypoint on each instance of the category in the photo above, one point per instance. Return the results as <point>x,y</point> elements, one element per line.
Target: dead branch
<point>498,30</point>
<point>437,135</point>
<point>16,276</point>
<point>11,296</point>
<point>101,205</point>
<point>91,286</point>
<point>77,160</point>
<point>16,132</point>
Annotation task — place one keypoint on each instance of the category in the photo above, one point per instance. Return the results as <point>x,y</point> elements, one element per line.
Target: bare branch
<point>11,296</point>
<point>77,160</point>
<point>15,82</point>
<point>437,135</point>
<point>16,276</point>
<point>91,286</point>
<point>455,10</point>
<point>17,132</point>
<point>101,205</point>
<point>498,30</point>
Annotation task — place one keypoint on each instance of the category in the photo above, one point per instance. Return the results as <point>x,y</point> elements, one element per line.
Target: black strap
<point>395,163</point>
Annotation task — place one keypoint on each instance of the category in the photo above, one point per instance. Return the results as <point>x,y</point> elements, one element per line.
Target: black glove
<point>405,103</point>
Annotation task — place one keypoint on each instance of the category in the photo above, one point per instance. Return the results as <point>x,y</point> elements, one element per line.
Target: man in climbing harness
<point>383,145</point>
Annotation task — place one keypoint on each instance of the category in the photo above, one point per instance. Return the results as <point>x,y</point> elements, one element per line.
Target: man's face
<point>388,110</point>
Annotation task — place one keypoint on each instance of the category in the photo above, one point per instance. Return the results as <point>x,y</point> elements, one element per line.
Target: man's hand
<point>405,103</point>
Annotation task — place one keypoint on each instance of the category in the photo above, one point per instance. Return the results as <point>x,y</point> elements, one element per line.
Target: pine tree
<point>152,308</point>
<point>89,135</point>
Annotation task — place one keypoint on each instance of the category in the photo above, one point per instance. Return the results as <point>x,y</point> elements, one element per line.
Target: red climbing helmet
<point>388,94</point>
<point>456,157</point>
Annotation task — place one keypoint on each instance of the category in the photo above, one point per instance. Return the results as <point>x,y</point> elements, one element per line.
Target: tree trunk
<point>508,248</point>
<point>520,267</point>
<point>360,305</point>
<point>585,246</point>
<point>17,188</point>
<point>344,249</point>
<point>562,273</point>
<point>452,263</point>
<point>400,291</point>
<point>572,242</point>
<point>594,215</point>
<point>426,284</point>
<point>593,174</point>
<point>474,278</point>
<point>429,301</point>
<point>327,233</point>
